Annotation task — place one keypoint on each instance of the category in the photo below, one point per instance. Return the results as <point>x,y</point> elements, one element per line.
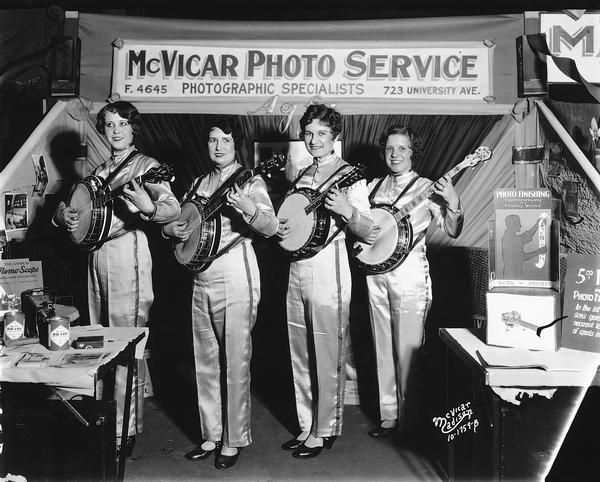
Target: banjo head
<point>385,244</point>
<point>185,250</point>
<point>82,200</point>
<point>391,246</point>
<point>293,207</point>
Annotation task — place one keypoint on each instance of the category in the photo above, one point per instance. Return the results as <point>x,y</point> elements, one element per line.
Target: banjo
<point>93,201</point>
<point>395,240</point>
<point>541,240</point>
<point>202,215</point>
<point>312,220</point>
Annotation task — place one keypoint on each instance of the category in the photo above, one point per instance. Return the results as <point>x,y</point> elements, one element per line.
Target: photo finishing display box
<point>523,240</point>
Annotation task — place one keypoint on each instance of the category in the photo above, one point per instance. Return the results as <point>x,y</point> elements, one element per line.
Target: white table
<point>73,371</point>
<point>524,413</point>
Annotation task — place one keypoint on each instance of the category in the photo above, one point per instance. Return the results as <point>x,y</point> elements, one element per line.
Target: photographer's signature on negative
<point>457,421</point>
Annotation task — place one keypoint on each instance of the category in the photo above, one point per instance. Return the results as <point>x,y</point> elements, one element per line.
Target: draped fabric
<point>98,148</point>
<point>26,36</point>
<point>476,188</point>
<point>446,139</point>
<point>179,139</point>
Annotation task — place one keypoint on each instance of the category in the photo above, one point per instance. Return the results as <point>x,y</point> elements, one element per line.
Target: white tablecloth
<point>71,369</point>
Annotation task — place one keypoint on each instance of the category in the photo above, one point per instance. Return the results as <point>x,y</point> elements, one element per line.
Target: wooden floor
<point>159,453</point>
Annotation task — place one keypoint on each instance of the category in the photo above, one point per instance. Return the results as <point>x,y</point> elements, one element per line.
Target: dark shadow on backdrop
<point>171,362</point>
<point>63,264</point>
<point>361,339</point>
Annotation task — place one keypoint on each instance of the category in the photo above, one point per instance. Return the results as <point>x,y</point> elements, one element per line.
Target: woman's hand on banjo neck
<point>337,202</point>
<point>137,195</point>
<point>238,199</point>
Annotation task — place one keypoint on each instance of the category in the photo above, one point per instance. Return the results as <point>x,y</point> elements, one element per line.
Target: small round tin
<point>58,333</point>
<point>14,327</point>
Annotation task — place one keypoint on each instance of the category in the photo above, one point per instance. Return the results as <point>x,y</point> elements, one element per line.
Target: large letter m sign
<point>560,37</point>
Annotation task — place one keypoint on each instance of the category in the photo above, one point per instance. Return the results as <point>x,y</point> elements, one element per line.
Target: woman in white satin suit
<point>120,268</point>
<point>319,288</point>
<point>120,289</point>
<point>399,300</point>
<point>225,300</point>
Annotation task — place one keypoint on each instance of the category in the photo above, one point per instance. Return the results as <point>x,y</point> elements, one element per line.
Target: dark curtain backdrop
<point>447,139</point>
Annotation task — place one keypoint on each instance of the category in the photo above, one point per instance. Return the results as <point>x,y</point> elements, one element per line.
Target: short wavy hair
<point>124,109</point>
<point>324,114</point>
<point>415,142</point>
<point>228,124</point>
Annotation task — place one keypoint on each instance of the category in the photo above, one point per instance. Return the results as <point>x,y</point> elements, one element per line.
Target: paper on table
<point>10,359</point>
<point>64,359</point>
<point>39,360</point>
<point>561,360</point>
<point>86,358</point>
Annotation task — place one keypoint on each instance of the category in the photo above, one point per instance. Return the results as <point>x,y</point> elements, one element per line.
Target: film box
<point>522,318</point>
<point>523,239</point>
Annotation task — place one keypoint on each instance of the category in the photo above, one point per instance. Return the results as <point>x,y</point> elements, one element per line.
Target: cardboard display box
<point>514,316</point>
<point>523,240</point>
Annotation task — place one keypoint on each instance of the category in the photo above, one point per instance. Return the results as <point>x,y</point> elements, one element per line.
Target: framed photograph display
<point>15,211</point>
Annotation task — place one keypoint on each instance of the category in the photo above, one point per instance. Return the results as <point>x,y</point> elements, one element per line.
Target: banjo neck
<point>424,195</point>
<point>347,179</point>
<point>156,174</point>
<point>114,193</point>
<point>317,201</point>
<point>240,179</point>
<point>217,200</point>
<point>482,153</point>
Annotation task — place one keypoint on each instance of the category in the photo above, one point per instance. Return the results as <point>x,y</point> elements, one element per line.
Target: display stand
<point>522,413</point>
<point>86,419</point>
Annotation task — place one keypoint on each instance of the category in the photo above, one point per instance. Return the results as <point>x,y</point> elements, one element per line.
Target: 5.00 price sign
<point>581,306</point>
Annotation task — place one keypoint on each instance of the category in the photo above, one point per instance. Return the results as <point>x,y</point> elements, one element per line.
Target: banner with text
<point>149,71</point>
<point>577,39</point>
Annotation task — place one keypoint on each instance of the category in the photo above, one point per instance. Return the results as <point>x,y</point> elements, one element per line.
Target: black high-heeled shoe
<point>226,461</point>
<point>292,444</point>
<point>198,453</point>
<point>380,431</point>
<point>328,441</point>
<point>304,452</point>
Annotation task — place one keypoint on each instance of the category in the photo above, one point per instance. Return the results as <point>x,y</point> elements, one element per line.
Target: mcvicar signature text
<point>457,421</point>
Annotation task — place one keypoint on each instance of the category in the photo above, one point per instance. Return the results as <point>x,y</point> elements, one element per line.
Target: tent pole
<point>579,156</point>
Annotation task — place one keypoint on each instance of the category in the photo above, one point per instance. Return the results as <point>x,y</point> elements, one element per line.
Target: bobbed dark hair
<point>327,115</point>
<point>124,109</point>
<point>228,124</point>
<point>415,142</point>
